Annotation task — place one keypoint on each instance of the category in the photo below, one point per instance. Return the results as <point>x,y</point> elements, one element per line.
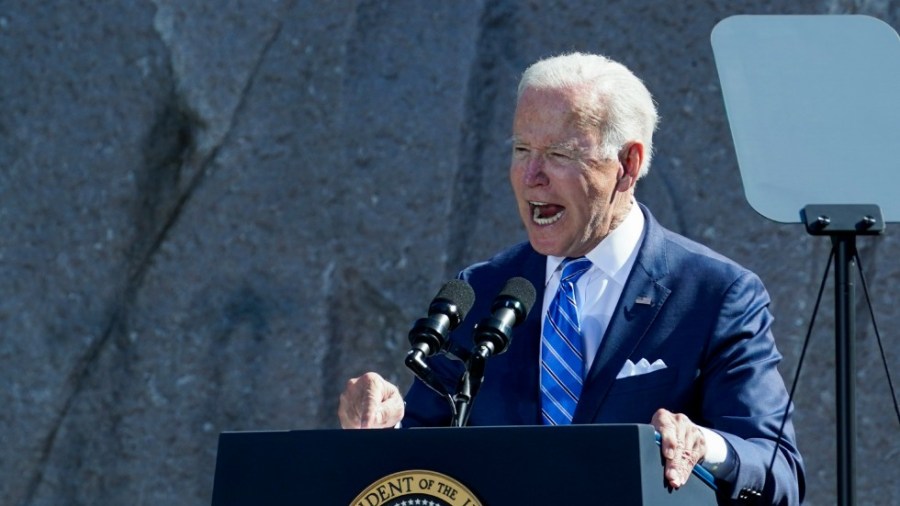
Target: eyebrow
<point>569,145</point>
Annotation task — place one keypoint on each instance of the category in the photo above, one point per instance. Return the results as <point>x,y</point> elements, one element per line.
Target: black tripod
<point>843,223</point>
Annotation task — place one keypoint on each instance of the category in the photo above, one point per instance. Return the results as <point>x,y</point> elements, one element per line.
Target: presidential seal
<point>416,488</point>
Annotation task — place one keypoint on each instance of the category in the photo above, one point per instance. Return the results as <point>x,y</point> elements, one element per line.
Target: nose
<point>533,171</point>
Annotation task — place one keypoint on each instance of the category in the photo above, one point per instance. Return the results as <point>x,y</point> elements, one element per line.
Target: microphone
<point>429,335</point>
<point>510,307</point>
<point>492,336</point>
<point>448,309</point>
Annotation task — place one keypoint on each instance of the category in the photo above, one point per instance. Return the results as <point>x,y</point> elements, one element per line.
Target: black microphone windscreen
<point>520,289</point>
<point>460,293</point>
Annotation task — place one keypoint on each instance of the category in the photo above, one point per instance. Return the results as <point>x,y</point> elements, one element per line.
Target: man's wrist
<point>717,452</point>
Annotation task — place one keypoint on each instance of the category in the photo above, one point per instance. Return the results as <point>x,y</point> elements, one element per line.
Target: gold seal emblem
<point>416,488</point>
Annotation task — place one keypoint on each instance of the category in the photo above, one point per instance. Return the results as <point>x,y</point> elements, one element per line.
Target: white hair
<point>618,102</point>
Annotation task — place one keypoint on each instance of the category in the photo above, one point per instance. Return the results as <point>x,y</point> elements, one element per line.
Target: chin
<point>545,249</point>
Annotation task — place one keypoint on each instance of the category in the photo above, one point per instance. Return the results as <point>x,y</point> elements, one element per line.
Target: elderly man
<point>638,324</point>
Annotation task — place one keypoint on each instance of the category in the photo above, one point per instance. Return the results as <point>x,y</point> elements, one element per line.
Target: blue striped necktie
<point>562,357</point>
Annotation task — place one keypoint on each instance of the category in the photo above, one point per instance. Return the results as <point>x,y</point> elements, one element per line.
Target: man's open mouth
<point>545,214</point>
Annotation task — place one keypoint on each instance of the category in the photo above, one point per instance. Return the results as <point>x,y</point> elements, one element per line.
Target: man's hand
<point>370,402</point>
<point>682,445</point>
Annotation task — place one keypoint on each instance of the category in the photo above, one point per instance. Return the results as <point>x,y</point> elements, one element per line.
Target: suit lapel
<point>642,299</point>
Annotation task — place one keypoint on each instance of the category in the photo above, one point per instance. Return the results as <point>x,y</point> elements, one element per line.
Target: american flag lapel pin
<point>643,299</point>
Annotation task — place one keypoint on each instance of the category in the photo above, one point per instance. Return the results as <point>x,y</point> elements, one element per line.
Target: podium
<point>471,466</point>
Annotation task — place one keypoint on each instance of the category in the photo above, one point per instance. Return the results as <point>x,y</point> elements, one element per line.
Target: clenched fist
<point>370,402</point>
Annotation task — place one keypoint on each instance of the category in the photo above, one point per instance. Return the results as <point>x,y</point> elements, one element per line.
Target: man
<point>650,328</point>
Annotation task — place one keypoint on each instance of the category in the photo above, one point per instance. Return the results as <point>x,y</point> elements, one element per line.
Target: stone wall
<point>214,213</point>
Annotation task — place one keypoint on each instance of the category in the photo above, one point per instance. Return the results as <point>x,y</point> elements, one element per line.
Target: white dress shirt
<point>598,290</point>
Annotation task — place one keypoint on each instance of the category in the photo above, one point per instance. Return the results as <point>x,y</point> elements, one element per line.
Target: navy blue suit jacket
<point>707,319</point>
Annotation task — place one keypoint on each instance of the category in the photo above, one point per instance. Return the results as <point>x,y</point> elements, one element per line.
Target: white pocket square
<point>642,367</point>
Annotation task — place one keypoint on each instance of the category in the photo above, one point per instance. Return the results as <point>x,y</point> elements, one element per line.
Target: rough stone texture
<point>213,213</point>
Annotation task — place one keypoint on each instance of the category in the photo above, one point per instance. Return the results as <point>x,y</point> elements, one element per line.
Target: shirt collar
<point>614,252</point>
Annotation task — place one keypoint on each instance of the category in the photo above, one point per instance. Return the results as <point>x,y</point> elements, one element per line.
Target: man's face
<point>563,184</point>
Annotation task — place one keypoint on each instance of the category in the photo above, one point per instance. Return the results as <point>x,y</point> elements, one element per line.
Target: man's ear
<point>631,157</point>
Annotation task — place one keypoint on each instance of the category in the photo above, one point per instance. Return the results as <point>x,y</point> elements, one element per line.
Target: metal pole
<point>845,365</point>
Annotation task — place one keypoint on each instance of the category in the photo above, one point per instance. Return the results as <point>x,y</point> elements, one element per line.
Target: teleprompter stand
<point>843,223</point>
<point>813,107</point>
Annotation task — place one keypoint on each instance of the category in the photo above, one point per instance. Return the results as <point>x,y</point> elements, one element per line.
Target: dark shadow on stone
<point>168,146</point>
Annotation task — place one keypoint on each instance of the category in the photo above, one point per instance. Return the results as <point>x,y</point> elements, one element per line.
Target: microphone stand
<point>462,401</point>
<point>415,361</point>
<point>469,383</point>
